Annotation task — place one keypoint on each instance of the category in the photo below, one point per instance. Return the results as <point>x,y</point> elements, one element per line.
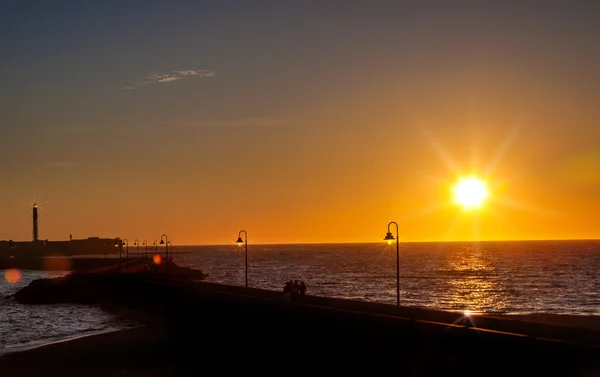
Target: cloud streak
<point>166,77</point>
<point>62,164</point>
<point>241,123</point>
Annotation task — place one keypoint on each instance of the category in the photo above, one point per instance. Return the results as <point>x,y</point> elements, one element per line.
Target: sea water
<point>558,277</point>
<point>26,326</point>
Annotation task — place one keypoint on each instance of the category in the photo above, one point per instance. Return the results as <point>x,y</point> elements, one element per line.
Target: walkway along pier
<point>245,325</point>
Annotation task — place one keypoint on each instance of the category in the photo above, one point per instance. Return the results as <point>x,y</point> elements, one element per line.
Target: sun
<point>470,193</point>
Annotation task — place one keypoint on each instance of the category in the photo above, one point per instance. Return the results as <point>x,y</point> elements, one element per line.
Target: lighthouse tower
<point>35,223</point>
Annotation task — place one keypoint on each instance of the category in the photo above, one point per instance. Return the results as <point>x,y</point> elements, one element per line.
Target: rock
<point>97,288</point>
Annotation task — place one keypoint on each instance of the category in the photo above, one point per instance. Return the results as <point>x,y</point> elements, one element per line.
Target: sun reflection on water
<point>474,284</point>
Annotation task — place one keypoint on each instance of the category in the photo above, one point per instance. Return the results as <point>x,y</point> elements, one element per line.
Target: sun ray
<point>431,178</point>
<point>439,149</point>
<point>430,209</point>
<point>501,151</point>
<point>475,192</point>
<point>474,151</point>
<point>515,204</point>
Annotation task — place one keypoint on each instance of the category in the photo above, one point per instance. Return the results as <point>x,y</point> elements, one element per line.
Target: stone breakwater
<point>320,332</point>
<point>104,285</point>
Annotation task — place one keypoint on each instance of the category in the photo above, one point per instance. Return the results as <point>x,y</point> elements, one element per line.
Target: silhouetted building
<point>38,248</point>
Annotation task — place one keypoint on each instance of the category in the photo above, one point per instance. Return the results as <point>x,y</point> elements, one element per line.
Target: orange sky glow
<point>302,136</point>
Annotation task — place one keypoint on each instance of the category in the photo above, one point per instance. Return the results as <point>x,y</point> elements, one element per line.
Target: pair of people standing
<point>294,291</point>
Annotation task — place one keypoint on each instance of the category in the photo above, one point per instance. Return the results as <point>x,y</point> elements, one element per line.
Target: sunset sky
<point>312,121</point>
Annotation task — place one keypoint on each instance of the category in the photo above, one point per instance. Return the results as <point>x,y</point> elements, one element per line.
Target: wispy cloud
<point>91,131</point>
<point>160,78</point>
<point>246,122</point>
<point>62,164</point>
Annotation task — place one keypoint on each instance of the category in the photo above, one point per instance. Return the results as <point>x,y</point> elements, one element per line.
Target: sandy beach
<point>141,351</point>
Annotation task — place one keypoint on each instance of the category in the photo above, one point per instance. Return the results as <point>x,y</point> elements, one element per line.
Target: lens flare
<point>157,259</point>
<point>12,276</point>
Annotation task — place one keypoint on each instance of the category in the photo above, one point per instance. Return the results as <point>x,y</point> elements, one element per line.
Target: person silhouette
<point>286,291</point>
<point>302,290</point>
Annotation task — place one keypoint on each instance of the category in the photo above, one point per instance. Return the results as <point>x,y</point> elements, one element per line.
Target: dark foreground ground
<point>202,331</point>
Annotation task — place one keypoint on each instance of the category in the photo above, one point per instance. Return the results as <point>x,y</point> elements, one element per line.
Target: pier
<point>192,325</point>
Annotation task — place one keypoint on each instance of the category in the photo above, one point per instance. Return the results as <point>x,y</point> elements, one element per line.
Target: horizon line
<point>405,242</point>
<point>336,243</point>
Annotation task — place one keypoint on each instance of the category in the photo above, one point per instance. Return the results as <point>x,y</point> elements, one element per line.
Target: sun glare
<point>470,193</point>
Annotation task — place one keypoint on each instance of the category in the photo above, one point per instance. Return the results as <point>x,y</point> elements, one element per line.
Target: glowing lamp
<point>239,241</point>
<point>389,238</point>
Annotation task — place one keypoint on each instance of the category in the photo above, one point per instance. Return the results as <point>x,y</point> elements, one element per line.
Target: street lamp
<point>119,244</point>
<point>389,238</point>
<point>137,243</point>
<point>155,243</point>
<point>146,245</point>
<point>240,242</point>
<point>166,243</point>
<point>125,242</point>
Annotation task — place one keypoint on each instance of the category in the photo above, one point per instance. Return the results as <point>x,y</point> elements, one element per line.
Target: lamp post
<point>119,244</point>
<point>155,243</point>
<point>146,245</point>
<point>166,243</point>
<point>245,242</point>
<point>137,243</point>
<point>389,238</point>
<point>125,242</point>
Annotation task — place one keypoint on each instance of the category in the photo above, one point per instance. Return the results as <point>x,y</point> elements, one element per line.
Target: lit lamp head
<point>239,241</point>
<point>389,238</point>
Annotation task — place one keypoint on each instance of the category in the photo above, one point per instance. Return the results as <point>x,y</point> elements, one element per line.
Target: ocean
<point>27,326</point>
<point>557,277</point>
